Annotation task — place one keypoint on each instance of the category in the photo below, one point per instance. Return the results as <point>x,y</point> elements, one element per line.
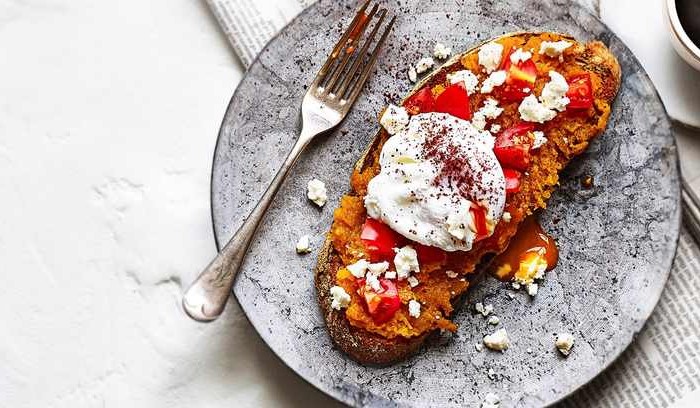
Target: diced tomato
<point>379,240</point>
<point>455,101</point>
<point>420,102</point>
<point>580,92</point>
<point>479,216</point>
<point>512,180</point>
<point>520,78</point>
<point>512,146</point>
<point>383,305</point>
<point>428,254</point>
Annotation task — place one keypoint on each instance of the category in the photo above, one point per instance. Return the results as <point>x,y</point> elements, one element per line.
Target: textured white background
<point>108,115</point>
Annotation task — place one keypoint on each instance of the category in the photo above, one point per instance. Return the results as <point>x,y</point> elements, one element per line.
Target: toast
<point>352,329</point>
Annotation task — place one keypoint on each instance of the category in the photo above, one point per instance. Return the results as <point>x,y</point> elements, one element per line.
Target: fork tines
<point>349,65</point>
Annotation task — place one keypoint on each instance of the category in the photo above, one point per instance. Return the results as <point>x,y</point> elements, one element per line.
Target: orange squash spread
<point>568,134</point>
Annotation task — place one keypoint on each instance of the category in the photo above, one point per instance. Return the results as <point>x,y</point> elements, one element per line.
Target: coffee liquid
<point>689,15</point>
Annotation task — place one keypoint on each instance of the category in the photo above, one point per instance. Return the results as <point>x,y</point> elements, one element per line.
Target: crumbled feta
<point>490,56</point>
<point>497,340</point>
<point>532,289</point>
<point>372,282</point>
<point>424,64</point>
<point>520,55</point>
<point>413,308</point>
<point>339,298</point>
<point>358,269</point>
<point>490,110</point>
<point>451,274</point>
<point>466,77</point>
<point>564,343</point>
<point>494,320</point>
<point>554,49</point>
<point>412,281</point>
<point>316,192</point>
<point>485,310</point>
<point>441,51</point>
<point>531,110</point>
<point>412,74</point>
<point>510,295</point>
<point>495,128</point>
<point>378,268</point>
<point>491,373</point>
<point>303,245</point>
<point>406,261</point>
<point>491,401</point>
<point>390,275</point>
<point>497,78</point>
<point>458,224</point>
<point>506,216</point>
<point>479,347</point>
<point>528,272</point>
<point>394,119</point>
<point>540,139</point>
<point>554,92</point>
<point>516,285</point>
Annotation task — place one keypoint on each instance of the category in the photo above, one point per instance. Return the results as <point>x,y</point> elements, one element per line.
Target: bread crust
<point>371,349</point>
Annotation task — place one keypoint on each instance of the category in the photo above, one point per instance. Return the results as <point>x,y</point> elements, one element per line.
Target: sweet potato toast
<point>353,329</point>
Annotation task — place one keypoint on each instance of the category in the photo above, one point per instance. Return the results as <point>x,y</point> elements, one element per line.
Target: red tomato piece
<point>479,216</point>
<point>512,146</point>
<point>520,78</point>
<point>428,254</point>
<point>580,92</point>
<point>420,102</point>
<point>512,180</point>
<point>379,240</point>
<point>381,306</point>
<point>455,101</point>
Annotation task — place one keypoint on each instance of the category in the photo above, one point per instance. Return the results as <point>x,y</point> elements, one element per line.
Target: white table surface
<point>109,111</point>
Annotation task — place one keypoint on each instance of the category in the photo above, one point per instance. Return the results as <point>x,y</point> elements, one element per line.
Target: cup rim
<point>678,30</point>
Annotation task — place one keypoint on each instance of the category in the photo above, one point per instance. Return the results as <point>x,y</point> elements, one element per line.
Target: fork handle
<point>206,298</point>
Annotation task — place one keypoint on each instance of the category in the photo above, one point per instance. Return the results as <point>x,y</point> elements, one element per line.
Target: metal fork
<point>325,105</point>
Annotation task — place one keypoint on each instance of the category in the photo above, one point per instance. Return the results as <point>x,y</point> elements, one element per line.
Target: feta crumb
<point>554,92</point>
<point>490,56</point>
<point>339,298</point>
<point>554,49</point>
<point>494,320</point>
<point>490,110</point>
<point>497,340</point>
<point>528,272</point>
<point>510,295</point>
<point>303,245</point>
<point>358,269</point>
<point>451,274</point>
<point>412,74</point>
<point>406,261</point>
<point>540,139</point>
<point>495,128</point>
<point>506,216</point>
<point>520,55</point>
<point>485,310</point>
<point>424,64</point>
<point>516,285</point>
<point>491,401</point>
<point>532,289</point>
<point>394,119</point>
<point>441,51</point>
<point>466,77</point>
<point>564,343</point>
<point>378,268</point>
<point>497,78</point>
<point>413,281</point>
<point>372,282</point>
<point>316,192</point>
<point>479,347</point>
<point>390,275</point>
<point>531,110</point>
<point>413,308</point>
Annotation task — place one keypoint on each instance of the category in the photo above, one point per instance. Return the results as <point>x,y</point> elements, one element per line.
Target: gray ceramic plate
<point>617,240</point>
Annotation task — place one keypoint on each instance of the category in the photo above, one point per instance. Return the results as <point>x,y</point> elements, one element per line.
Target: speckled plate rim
<point>642,322</point>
